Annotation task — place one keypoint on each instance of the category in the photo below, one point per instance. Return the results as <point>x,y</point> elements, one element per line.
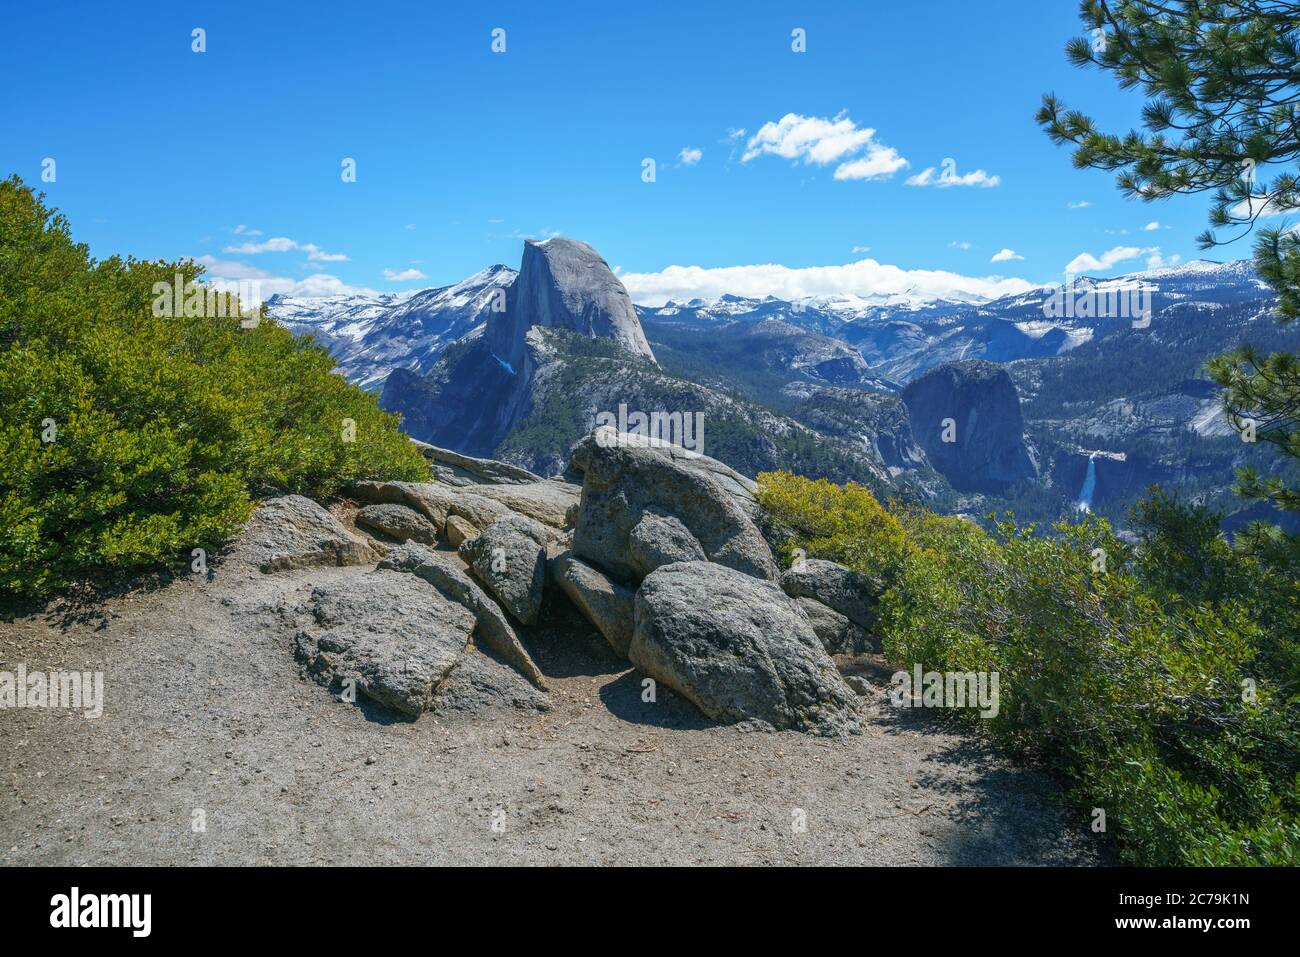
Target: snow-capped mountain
<point>898,336</point>
<point>728,308</point>
<point>1110,371</point>
<point>370,336</point>
<point>902,343</point>
<point>822,314</point>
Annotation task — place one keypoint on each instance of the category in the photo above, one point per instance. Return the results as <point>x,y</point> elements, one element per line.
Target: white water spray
<point>1089,485</point>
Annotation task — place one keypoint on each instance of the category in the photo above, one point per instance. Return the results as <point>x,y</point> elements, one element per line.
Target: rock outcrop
<point>742,490</point>
<point>966,415</point>
<point>708,619</point>
<point>739,649</point>
<point>546,500</point>
<point>386,635</point>
<point>481,387</point>
<point>834,586</point>
<point>661,539</point>
<point>458,531</point>
<point>838,635</point>
<point>294,532</point>
<point>445,573</point>
<point>604,602</point>
<point>435,501</point>
<point>625,481</point>
<point>399,522</point>
<point>565,284</point>
<point>453,468</point>
<point>509,557</point>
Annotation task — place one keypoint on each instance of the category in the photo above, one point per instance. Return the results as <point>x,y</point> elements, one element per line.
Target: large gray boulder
<point>458,531</point>
<point>661,539</point>
<point>434,500</point>
<point>739,649</point>
<point>294,532</point>
<point>835,586</point>
<point>398,521</point>
<point>445,573</point>
<point>483,686</point>
<point>603,602</point>
<point>453,468</point>
<point>624,481</point>
<point>743,490</point>
<point>388,635</point>
<point>564,284</point>
<point>838,635</point>
<point>548,500</point>
<point>509,556</point>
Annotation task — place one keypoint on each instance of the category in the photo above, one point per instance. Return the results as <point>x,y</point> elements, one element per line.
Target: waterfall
<point>1089,485</point>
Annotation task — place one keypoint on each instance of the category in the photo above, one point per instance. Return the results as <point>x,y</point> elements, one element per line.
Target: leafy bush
<point>1160,679</point>
<point>844,524</point>
<point>128,438</point>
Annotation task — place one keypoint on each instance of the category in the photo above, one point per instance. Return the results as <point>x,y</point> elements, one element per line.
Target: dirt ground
<point>206,711</point>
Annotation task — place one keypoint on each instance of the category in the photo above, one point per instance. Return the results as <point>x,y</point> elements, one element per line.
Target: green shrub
<point>164,429</point>
<point>1158,679</point>
<point>845,524</point>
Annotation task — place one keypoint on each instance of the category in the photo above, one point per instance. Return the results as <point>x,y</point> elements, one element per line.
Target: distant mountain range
<point>370,336</point>
<point>1108,372</point>
<point>895,337</point>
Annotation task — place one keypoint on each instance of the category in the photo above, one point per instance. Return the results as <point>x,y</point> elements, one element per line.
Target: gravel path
<point>206,711</point>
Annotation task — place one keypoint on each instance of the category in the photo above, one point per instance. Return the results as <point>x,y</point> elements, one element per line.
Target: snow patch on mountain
<point>370,336</point>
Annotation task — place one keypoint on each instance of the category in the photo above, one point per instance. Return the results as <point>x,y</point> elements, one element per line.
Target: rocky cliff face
<point>966,416</point>
<point>874,420</point>
<point>565,284</point>
<point>481,387</point>
<point>466,403</point>
<point>568,347</point>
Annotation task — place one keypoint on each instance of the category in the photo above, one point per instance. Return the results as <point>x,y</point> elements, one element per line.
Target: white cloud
<point>962,244</point>
<point>948,176</point>
<point>879,163</point>
<point>1081,204</point>
<point>1005,255</point>
<point>1157,261</point>
<point>406,275</point>
<point>734,139</point>
<point>1087,262</point>
<point>226,275</point>
<point>282,244</point>
<point>689,156</point>
<point>810,138</point>
<point>860,249</point>
<point>229,269</point>
<point>819,141</point>
<point>864,277</point>
<point>316,253</point>
<point>242,230</point>
<point>1262,205</point>
<point>1151,226</point>
<point>409,226</point>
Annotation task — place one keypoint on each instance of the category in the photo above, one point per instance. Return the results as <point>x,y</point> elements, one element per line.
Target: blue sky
<point>461,152</point>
